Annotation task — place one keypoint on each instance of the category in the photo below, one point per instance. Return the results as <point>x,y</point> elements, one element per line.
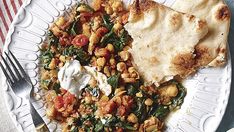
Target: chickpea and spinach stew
<point>104,92</point>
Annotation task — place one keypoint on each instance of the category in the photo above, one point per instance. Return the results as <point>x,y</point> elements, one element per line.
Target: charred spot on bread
<point>184,64</point>
<point>222,13</point>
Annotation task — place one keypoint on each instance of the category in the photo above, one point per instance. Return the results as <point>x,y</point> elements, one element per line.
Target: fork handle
<point>37,120</point>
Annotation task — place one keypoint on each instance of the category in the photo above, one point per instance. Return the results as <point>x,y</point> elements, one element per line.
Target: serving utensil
<point>22,86</point>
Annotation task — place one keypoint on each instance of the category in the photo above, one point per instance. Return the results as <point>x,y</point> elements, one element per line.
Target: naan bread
<point>163,40</point>
<point>211,50</point>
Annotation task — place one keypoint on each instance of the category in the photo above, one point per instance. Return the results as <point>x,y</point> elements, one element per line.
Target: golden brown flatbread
<point>163,40</point>
<point>212,49</point>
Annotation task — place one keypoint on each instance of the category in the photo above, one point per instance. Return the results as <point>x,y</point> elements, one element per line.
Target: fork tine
<point>6,74</point>
<point>18,64</point>
<point>9,69</point>
<point>14,67</point>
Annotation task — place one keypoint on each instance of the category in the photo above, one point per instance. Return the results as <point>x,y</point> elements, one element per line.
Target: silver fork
<point>22,87</point>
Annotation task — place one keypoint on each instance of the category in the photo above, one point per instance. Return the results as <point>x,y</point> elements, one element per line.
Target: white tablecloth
<point>6,124</point>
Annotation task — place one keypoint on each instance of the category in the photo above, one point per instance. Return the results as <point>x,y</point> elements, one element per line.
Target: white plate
<point>204,105</point>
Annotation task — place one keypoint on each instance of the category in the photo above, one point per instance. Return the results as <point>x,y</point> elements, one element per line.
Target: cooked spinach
<point>179,99</point>
<point>56,87</point>
<point>99,126</point>
<point>114,121</point>
<point>140,110</point>
<point>118,42</point>
<point>45,83</point>
<point>133,88</point>
<point>161,111</point>
<point>78,53</point>
<point>107,22</point>
<point>52,39</point>
<point>73,30</point>
<point>46,58</point>
<point>114,80</point>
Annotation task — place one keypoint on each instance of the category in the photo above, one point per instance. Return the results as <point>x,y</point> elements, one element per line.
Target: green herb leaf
<point>45,83</point>
<point>140,110</point>
<point>179,99</point>
<point>107,22</point>
<point>56,87</point>
<point>52,39</point>
<point>99,127</point>
<point>118,42</point>
<point>78,53</point>
<point>161,112</point>
<point>114,80</point>
<point>133,88</point>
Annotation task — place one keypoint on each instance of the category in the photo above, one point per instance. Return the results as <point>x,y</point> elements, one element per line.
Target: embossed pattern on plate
<point>204,105</point>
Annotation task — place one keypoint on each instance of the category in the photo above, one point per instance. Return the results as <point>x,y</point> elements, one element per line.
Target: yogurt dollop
<point>73,77</point>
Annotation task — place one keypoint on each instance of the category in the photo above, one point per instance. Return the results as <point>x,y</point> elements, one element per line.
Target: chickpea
<point>94,38</point>
<point>125,75</point>
<point>170,91</point>
<point>51,112</point>
<point>53,73</point>
<point>52,64</point>
<point>117,6</point>
<point>104,98</point>
<point>108,9</point>
<point>45,75</point>
<point>129,80</point>
<point>61,64</point>
<point>117,90</point>
<point>88,99</point>
<point>106,71</point>
<point>56,31</point>
<point>117,27</point>
<point>110,47</point>
<point>99,68</point>
<point>133,72</point>
<point>60,22</point>
<point>82,9</point>
<point>112,62</point>
<point>132,118</point>
<point>113,72</point>
<point>102,52</point>
<point>86,29</point>
<point>96,23</point>
<point>96,4</point>
<point>101,61</point>
<point>139,94</point>
<point>62,58</point>
<point>126,48</point>
<point>148,102</point>
<point>121,66</point>
<point>92,82</point>
<point>124,55</point>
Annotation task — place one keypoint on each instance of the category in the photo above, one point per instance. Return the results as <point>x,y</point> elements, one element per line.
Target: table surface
<point>227,123</point>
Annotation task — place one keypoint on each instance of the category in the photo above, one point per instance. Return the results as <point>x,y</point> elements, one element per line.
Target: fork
<point>22,86</point>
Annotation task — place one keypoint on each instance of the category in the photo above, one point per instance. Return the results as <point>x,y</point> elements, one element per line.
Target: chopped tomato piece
<point>121,111</point>
<point>101,31</point>
<point>64,40</point>
<point>80,40</point>
<point>68,98</point>
<point>58,102</point>
<point>110,107</point>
